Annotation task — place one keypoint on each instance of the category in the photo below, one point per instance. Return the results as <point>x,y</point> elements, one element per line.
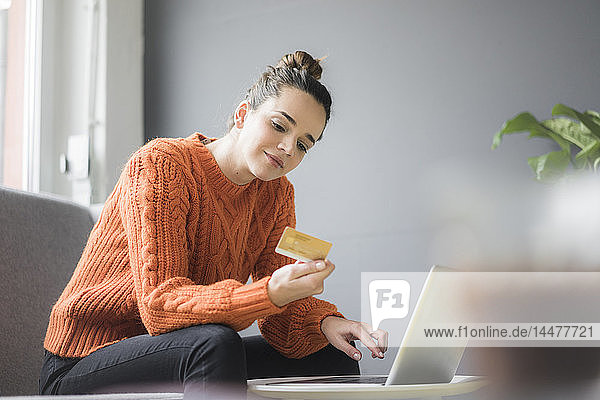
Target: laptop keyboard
<point>380,380</point>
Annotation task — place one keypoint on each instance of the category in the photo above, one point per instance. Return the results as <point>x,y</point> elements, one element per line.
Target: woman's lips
<point>274,160</point>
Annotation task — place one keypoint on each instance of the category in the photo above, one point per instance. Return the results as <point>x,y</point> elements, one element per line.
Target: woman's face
<point>276,136</point>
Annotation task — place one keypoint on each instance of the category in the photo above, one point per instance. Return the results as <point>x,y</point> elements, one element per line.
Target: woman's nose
<point>286,146</point>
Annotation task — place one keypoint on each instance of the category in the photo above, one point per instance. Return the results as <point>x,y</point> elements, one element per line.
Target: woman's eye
<point>277,126</point>
<point>302,147</point>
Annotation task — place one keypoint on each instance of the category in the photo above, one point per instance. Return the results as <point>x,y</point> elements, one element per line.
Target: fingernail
<point>380,354</point>
<point>357,356</point>
<point>320,265</point>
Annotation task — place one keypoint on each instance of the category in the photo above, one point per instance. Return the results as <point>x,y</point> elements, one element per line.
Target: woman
<point>159,291</point>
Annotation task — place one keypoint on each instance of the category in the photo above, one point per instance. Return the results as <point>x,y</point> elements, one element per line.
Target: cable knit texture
<point>174,246</point>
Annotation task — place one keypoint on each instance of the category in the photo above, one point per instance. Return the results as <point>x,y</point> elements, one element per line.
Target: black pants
<point>203,361</point>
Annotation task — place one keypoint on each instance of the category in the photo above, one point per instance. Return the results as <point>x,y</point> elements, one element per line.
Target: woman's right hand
<point>297,281</point>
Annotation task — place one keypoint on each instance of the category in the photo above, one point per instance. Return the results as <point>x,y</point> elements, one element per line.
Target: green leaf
<point>527,122</point>
<point>520,123</point>
<point>589,153</point>
<point>574,132</point>
<point>549,167</point>
<point>594,115</point>
<point>587,119</point>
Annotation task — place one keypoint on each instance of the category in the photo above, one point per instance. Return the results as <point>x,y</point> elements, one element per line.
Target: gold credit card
<point>300,246</point>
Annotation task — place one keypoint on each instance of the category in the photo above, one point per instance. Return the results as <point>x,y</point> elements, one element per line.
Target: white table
<point>459,385</point>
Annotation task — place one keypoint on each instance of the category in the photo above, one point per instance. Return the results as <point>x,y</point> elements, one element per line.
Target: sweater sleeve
<point>295,332</point>
<point>156,213</point>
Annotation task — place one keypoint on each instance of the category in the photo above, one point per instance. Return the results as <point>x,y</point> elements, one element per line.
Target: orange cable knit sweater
<point>174,246</point>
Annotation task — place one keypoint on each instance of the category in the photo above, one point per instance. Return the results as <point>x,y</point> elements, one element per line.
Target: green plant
<point>574,129</point>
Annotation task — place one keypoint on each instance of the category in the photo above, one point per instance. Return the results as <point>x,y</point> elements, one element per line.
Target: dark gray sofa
<point>41,240</point>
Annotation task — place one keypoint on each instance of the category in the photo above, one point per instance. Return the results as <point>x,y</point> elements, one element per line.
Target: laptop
<point>412,366</point>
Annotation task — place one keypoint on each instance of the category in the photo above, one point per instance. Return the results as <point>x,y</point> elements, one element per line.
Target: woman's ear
<point>239,117</point>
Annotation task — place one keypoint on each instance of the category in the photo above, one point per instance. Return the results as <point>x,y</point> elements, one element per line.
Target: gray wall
<point>405,176</point>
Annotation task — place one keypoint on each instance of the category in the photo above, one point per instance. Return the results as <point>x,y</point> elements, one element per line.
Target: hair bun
<point>301,60</point>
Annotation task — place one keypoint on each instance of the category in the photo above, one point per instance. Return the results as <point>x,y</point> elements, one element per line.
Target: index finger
<point>382,339</point>
<point>366,339</point>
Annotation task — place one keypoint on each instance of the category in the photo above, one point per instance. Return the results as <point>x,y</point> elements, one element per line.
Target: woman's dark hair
<point>297,70</point>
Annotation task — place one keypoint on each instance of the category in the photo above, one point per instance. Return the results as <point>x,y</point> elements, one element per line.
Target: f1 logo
<point>389,299</point>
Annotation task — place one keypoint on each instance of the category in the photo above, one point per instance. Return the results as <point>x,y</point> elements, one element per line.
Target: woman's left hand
<point>340,332</point>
